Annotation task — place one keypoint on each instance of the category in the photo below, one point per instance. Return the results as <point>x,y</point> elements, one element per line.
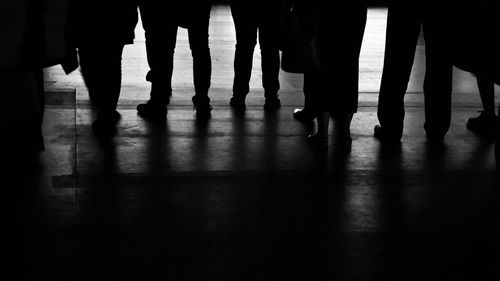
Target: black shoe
<point>303,115</point>
<point>483,124</point>
<point>152,110</point>
<point>272,104</point>
<point>317,140</point>
<point>238,103</point>
<point>105,124</point>
<point>386,135</point>
<point>203,111</point>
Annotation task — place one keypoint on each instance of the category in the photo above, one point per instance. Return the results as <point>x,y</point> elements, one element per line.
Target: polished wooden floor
<point>243,197</point>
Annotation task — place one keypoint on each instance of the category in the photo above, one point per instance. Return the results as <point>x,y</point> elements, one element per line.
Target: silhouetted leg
<point>438,79</point>
<point>101,70</point>
<point>403,29</point>
<point>487,93</point>
<point>487,122</point>
<point>161,36</point>
<point>311,90</point>
<point>246,39</point>
<point>269,48</point>
<point>202,63</point>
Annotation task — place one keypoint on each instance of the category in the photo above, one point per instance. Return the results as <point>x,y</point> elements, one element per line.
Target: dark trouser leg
<point>202,62</point>
<point>311,90</point>
<point>487,92</point>
<point>246,39</point>
<point>269,49</point>
<point>403,29</point>
<point>438,79</point>
<point>161,36</point>
<point>101,71</point>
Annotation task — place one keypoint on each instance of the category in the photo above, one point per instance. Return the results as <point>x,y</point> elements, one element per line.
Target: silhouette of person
<point>30,39</point>
<point>339,49</point>
<point>100,30</point>
<point>160,20</point>
<point>254,19</point>
<point>404,23</point>
<point>475,32</point>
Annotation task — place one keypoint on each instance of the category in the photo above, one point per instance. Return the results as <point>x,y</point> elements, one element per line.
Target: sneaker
<point>272,104</point>
<point>152,110</point>
<point>483,124</point>
<point>238,103</point>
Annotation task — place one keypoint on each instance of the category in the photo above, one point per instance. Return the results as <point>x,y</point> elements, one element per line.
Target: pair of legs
<point>161,35</point>
<point>101,67</point>
<point>337,95</point>
<point>404,24</point>
<point>252,20</point>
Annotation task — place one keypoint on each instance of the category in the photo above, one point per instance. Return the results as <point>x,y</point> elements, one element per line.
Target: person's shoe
<point>272,104</point>
<point>203,111</point>
<point>105,124</point>
<point>317,140</point>
<point>386,135</point>
<point>238,103</point>
<point>483,124</point>
<point>303,115</point>
<point>152,110</point>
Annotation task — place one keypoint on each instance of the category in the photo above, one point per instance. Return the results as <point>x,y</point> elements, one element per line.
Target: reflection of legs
<point>403,29</point>
<point>246,39</point>
<point>438,80</point>
<point>161,37</point>
<point>101,70</point>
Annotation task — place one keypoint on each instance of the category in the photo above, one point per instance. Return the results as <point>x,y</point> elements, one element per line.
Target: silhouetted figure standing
<point>340,30</point>
<point>161,20</point>
<point>100,30</point>
<point>254,19</point>
<point>404,23</point>
<point>475,48</point>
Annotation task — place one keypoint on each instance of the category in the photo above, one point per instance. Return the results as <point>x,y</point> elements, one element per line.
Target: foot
<point>152,110</point>
<point>317,140</point>
<point>203,111</point>
<point>484,124</point>
<point>272,104</point>
<point>303,115</point>
<point>105,124</point>
<point>238,103</point>
<point>386,135</point>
